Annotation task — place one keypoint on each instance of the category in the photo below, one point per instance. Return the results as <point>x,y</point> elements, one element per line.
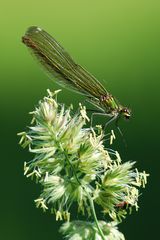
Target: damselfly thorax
<point>109,105</point>
<point>62,67</point>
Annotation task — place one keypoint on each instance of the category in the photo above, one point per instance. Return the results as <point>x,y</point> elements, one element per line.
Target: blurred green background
<point>119,42</point>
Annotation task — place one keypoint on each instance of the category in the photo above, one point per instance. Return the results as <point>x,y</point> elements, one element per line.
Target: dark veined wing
<point>59,64</point>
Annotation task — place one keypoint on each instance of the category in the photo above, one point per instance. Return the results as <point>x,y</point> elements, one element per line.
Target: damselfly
<point>61,66</point>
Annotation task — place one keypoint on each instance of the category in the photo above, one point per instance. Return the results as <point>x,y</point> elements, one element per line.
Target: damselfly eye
<point>126,113</point>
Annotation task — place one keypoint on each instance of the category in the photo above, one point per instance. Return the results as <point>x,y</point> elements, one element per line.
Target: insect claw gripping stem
<point>96,113</point>
<point>111,120</point>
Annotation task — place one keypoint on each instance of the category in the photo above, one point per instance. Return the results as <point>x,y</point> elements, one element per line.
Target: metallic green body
<point>60,65</point>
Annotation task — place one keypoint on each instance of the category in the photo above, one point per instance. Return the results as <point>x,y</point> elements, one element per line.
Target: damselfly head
<point>125,112</point>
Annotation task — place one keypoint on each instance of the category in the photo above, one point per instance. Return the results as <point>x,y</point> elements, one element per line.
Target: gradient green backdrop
<point>119,42</point>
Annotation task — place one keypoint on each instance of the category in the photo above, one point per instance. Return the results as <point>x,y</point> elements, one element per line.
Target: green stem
<point>89,198</point>
<point>94,215</point>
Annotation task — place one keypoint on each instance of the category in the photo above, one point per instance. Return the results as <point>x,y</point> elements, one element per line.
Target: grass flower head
<point>74,168</point>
